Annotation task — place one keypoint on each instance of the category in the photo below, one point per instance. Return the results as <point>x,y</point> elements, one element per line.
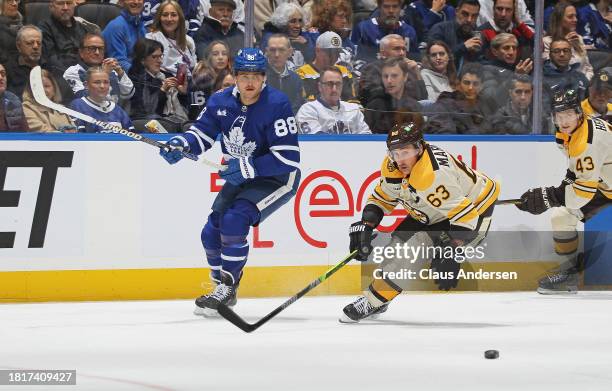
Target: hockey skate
<point>561,282</point>
<point>361,309</point>
<point>225,292</point>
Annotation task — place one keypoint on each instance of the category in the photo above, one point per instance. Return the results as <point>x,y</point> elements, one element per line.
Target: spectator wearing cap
<point>370,83</point>
<point>328,113</point>
<point>368,33</point>
<point>11,112</point>
<point>289,19</point>
<point>336,16</point>
<point>62,35</point>
<point>122,33</point>
<point>600,95</point>
<point>278,74</point>
<point>327,51</point>
<point>219,25</point>
<point>460,34</point>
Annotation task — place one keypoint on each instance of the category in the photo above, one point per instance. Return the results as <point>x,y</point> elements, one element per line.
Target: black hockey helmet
<point>408,132</point>
<point>565,99</point>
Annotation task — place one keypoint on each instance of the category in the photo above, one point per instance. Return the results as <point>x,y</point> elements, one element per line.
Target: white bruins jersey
<point>439,187</point>
<point>589,150</point>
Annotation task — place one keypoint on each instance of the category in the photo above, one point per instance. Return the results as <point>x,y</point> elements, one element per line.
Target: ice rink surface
<point>424,342</point>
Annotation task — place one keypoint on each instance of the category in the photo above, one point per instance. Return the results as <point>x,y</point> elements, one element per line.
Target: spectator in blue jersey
<point>278,74</point>
<point>460,34</point>
<point>336,16</point>
<point>289,19</point>
<point>157,93</point>
<point>258,134</point>
<point>122,33</point>
<point>96,104</point>
<point>91,54</point>
<point>11,112</point>
<point>168,28</point>
<point>219,26</point>
<point>432,12</point>
<point>597,29</point>
<point>368,33</point>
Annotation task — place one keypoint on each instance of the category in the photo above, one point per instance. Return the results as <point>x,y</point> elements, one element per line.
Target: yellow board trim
<point>158,284</point>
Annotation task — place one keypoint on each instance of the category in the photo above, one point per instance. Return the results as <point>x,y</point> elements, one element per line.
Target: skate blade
<point>345,319</point>
<point>544,291</point>
<point>206,312</point>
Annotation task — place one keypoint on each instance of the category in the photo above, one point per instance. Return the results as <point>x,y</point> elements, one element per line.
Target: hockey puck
<point>491,354</point>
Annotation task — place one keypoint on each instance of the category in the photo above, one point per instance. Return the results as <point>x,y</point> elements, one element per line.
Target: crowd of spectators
<point>347,66</point>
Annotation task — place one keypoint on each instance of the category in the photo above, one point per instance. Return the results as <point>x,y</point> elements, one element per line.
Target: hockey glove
<point>361,236</point>
<point>174,150</point>
<point>239,170</point>
<point>539,200</point>
<point>448,273</point>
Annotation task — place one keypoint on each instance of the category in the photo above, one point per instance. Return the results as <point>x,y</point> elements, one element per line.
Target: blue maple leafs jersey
<point>108,112</point>
<point>265,130</point>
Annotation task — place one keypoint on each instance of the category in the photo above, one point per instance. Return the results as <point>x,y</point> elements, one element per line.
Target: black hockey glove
<point>448,273</point>
<point>447,268</point>
<point>361,235</point>
<point>539,200</point>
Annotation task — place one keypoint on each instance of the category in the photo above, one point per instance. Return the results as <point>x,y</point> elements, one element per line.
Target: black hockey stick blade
<point>231,316</point>
<point>513,201</point>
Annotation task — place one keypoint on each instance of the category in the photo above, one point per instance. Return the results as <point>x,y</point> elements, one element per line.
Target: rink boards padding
<point>155,284</point>
<point>88,217</point>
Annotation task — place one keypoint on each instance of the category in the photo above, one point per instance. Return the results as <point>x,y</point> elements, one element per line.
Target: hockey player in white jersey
<point>260,148</point>
<point>585,191</point>
<point>449,206</point>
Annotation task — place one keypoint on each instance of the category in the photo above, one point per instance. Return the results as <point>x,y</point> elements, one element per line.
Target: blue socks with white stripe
<point>225,240</point>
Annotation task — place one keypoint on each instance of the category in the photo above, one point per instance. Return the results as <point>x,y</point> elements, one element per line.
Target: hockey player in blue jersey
<point>260,148</point>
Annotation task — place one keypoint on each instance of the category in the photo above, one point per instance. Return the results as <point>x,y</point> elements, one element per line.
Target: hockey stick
<point>38,91</point>
<point>513,201</point>
<point>231,316</point>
